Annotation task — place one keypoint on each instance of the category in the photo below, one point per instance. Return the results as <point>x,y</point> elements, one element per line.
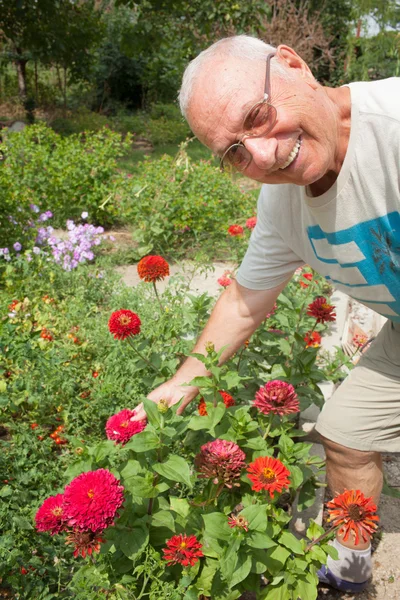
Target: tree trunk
<point>65,92</point>
<point>20,64</point>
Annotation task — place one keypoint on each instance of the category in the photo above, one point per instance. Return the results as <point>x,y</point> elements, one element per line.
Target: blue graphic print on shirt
<point>364,261</point>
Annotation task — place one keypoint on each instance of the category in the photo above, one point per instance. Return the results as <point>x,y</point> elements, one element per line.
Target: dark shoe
<point>326,577</point>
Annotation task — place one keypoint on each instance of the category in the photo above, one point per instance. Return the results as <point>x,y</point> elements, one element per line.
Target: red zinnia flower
<point>92,500</point>
<point>221,461</point>
<point>251,223</point>
<point>121,428</point>
<point>267,473</point>
<point>238,521</point>
<point>50,516</point>
<point>321,310</point>
<point>85,542</point>
<point>153,268</point>
<point>227,398</point>
<point>312,339</point>
<point>308,276</point>
<point>354,513</point>
<point>202,408</point>
<point>124,323</point>
<point>235,230</point>
<point>277,397</point>
<point>183,549</point>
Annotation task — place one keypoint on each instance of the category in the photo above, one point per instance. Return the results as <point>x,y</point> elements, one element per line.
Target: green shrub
<point>64,175</point>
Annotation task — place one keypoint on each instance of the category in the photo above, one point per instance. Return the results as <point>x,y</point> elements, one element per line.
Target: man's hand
<point>172,392</point>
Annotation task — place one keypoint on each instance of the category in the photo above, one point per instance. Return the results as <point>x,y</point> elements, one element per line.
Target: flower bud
<point>209,347</point>
<point>163,406</point>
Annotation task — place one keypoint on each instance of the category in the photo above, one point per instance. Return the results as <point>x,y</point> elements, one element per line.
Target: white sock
<point>352,565</point>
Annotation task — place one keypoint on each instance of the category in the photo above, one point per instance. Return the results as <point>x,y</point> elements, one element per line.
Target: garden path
<point>385,584</point>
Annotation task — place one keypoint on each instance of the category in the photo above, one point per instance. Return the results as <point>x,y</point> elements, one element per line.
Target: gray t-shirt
<point>350,234</point>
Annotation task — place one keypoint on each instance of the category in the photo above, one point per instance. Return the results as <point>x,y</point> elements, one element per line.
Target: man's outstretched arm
<point>236,315</point>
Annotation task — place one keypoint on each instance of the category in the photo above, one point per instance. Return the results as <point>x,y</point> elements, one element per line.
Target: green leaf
<point>175,469</point>
<point>389,491</point>
<point>204,582</point>
<point>276,558</point>
<point>291,542</point>
<point>306,496</point>
<point>152,412</point>
<point>306,586</point>
<point>216,526</point>
<point>132,541</point>
<point>242,569</point>
<point>259,540</point>
<point>284,346</point>
<point>180,506</point>
<point>143,441</point>
<point>229,560</point>
<point>163,518</point>
<point>314,530</point>
<point>279,592</point>
<point>6,491</point>
<point>318,554</point>
<point>102,450</point>
<point>256,515</point>
<point>131,469</point>
<point>256,443</point>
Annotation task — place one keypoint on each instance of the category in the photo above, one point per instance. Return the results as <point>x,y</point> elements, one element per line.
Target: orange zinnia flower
<point>153,268</point>
<point>267,473</point>
<point>354,513</point>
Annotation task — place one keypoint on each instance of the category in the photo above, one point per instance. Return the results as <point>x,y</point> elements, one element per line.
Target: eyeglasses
<point>259,121</point>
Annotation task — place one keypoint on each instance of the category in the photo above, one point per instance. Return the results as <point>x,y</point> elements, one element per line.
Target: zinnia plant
<point>312,339</point>
<point>277,397</point>
<point>251,222</point>
<point>227,399</point>
<point>84,542</point>
<point>123,324</point>
<point>153,268</point>
<point>121,428</point>
<point>321,310</point>
<point>269,474</point>
<point>353,514</point>
<point>235,230</point>
<point>50,516</point>
<point>92,500</point>
<point>183,549</point>
<point>222,462</point>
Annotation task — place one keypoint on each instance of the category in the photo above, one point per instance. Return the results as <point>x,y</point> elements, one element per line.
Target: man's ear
<point>292,60</point>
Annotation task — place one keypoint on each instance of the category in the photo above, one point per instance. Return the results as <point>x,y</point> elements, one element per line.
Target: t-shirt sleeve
<point>269,261</point>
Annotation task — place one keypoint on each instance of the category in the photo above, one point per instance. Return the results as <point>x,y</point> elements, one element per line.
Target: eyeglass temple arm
<point>267,88</point>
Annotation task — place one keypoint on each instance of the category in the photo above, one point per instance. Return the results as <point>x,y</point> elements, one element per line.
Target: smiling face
<point>309,139</point>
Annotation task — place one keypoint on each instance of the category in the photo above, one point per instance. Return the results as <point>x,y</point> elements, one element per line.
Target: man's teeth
<point>292,155</point>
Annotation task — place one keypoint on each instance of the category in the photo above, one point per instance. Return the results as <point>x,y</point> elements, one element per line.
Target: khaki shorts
<point>364,412</point>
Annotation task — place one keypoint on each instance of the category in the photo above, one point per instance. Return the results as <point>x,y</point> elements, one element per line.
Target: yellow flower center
<point>57,512</point>
<point>124,320</point>
<point>267,475</point>
<point>124,424</point>
<point>183,545</point>
<point>90,493</point>
<point>325,306</point>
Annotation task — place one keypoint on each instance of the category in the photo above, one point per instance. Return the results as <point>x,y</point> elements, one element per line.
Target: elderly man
<point>329,159</point>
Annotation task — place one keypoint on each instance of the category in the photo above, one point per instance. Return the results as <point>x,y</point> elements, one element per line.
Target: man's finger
<point>139,413</point>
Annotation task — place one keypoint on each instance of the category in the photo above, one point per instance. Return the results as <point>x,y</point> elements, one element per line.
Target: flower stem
<point>268,428</point>
<point>157,296</point>
<point>322,537</point>
<point>130,341</point>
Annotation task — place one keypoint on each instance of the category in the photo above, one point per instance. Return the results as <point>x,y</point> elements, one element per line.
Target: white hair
<point>241,46</point>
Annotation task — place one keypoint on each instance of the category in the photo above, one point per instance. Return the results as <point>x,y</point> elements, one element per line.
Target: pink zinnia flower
<point>277,397</point>
<point>225,279</point>
<point>121,428</point>
<point>272,312</point>
<point>251,223</point>
<point>50,515</point>
<point>221,461</point>
<point>92,500</point>
<point>183,549</point>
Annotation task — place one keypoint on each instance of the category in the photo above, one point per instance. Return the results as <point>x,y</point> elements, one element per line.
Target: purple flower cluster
<point>69,253</point>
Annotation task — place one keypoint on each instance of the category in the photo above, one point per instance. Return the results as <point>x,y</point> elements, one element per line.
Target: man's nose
<point>263,151</point>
